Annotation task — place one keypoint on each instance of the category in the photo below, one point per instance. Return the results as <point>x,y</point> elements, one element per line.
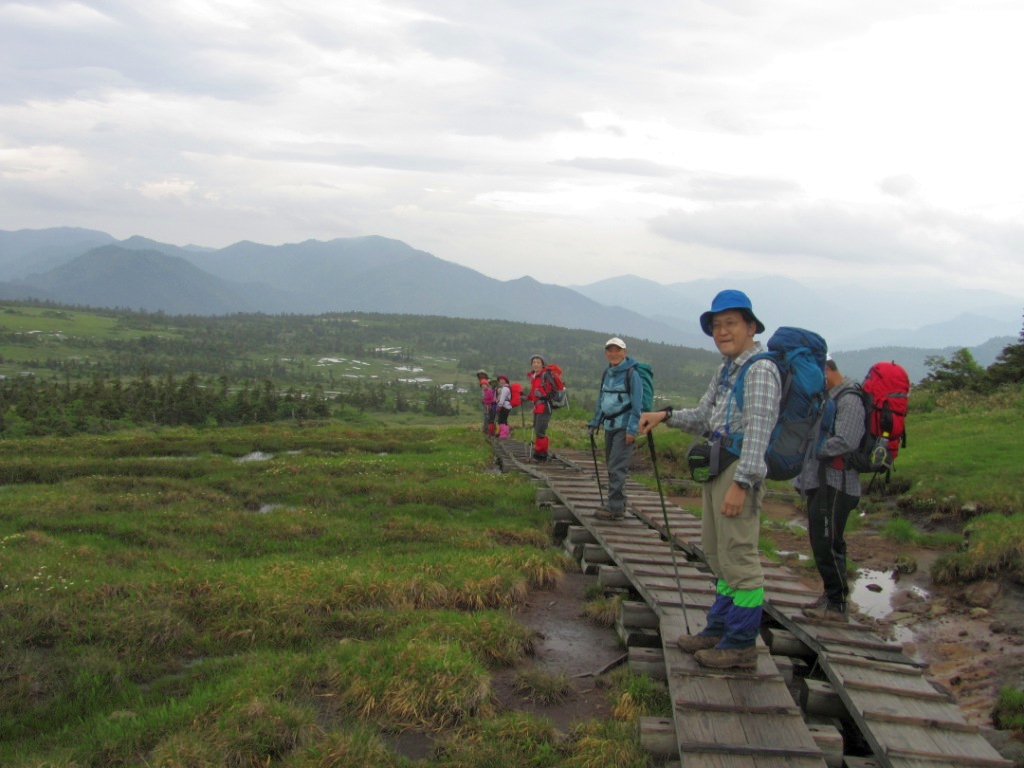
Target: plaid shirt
<point>718,412</point>
<point>844,437</point>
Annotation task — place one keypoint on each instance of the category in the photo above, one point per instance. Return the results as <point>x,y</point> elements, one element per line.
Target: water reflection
<point>255,456</point>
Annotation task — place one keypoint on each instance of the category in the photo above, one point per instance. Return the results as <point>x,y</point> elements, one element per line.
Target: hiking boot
<point>694,643</point>
<point>728,658</point>
<point>827,613</point>
<point>603,513</point>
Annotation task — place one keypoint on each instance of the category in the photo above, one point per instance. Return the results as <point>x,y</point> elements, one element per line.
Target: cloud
<point>657,135</point>
<point>628,166</point>
<point>830,233</point>
<point>903,186</point>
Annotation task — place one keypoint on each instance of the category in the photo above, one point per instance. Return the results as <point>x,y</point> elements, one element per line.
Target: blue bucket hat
<point>729,299</point>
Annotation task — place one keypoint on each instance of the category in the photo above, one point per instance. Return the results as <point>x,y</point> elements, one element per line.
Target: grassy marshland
<point>275,595</point>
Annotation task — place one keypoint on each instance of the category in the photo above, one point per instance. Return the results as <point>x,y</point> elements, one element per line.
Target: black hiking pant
<point>827,512</point>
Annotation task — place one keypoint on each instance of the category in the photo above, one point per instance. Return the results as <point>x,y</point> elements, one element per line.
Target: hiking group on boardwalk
<point>775,411</point>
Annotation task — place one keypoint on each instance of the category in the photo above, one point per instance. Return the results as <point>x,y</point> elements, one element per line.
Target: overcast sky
<point>570,140</point>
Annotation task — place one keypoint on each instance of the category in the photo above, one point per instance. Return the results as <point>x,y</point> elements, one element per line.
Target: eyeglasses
<point>726,325</point>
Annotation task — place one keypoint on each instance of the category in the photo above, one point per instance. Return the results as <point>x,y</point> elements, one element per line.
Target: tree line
<point>962,372</point>
<point>30,406</point>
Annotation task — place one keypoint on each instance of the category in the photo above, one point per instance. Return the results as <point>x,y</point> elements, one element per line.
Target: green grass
<point>1008,713</point>
<point>964,455</point>
<point>992,544</point>
<point>164,602</point>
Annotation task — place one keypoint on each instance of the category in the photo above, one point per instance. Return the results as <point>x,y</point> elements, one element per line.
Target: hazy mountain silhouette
<point>378,274</point>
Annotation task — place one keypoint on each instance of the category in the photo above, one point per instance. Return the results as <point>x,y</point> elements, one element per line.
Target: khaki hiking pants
<point>731,543</point>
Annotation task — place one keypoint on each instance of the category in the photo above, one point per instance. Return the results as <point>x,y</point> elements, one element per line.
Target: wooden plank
<point>841,660</point>
<point>947,758</point>
<point>748,709</point>
<point>858,685</point>
<point>747,749</point>
<point>873,645</point>
<point>959,726</point>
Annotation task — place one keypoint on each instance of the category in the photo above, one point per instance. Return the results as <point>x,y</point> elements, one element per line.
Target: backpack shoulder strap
<point>737,387</point>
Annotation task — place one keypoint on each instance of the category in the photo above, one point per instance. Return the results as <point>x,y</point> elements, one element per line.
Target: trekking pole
<point>668,531</point>
<point>597,475</point>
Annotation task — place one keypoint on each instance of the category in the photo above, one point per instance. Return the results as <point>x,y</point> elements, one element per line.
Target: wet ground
<point>567,643</point>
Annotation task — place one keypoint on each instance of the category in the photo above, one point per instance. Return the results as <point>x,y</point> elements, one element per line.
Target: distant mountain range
<point>377,274</point>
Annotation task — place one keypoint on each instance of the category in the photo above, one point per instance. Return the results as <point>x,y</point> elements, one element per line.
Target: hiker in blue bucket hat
<point>732,483</point>
<point>726,300</point>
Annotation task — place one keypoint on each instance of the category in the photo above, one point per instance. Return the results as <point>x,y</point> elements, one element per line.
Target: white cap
<point>616,341</point>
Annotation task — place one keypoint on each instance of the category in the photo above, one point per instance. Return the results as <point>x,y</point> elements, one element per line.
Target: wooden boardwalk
<point>751,719</point>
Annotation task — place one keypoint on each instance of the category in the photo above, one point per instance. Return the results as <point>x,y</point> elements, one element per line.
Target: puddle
<point>879,594</point>
<point>255,456</point>
<point>873,592</point>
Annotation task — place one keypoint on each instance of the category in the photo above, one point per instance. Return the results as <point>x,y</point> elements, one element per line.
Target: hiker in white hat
<point>618,412</point>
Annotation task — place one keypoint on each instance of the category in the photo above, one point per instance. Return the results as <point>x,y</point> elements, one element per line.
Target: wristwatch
<point>668,412</point>
<point>744,486</point>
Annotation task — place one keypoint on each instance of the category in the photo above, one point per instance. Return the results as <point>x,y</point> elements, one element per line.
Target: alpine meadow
<point>248,539</point>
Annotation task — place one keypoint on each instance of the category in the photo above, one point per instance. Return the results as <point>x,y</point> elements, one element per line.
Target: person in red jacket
<point>541,389</point>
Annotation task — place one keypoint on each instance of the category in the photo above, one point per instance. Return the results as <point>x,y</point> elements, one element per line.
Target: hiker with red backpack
<point>832,491</point>
<point>503,406</point>
<point>489,401</point>
<point>544,394</point>
<point>618,411</point>
<point>734,487</point>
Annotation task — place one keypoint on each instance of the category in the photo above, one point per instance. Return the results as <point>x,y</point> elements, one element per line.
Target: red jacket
<point>541,388</point>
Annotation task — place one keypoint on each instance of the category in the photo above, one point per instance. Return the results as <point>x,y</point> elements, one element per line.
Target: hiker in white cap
<point>618,412</point>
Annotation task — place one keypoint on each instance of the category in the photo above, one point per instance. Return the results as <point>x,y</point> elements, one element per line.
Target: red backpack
<point>517,394</point>
<point>559,398</point>
<point>889,387</point>
<point>885,391</point>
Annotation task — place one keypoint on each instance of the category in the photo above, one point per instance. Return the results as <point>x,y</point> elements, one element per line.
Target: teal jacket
<point>618,402</point>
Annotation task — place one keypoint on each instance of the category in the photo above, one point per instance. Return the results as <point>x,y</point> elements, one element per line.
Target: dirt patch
<point>569,644</point>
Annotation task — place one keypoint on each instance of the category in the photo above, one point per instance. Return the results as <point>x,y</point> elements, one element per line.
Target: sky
<point>568,140</point>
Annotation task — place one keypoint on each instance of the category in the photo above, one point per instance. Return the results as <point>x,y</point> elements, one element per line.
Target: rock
<point>901,598</point>
<point>981,594</point>
<point>977,613</point>
<point>905,564</point>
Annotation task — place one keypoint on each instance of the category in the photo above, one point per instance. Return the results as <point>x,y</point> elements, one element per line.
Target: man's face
<point>614,354</point>
<point>732,334</point>
<point>832,378</point>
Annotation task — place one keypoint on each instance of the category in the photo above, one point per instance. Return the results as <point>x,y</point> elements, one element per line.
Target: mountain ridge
<point>374,273</point>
